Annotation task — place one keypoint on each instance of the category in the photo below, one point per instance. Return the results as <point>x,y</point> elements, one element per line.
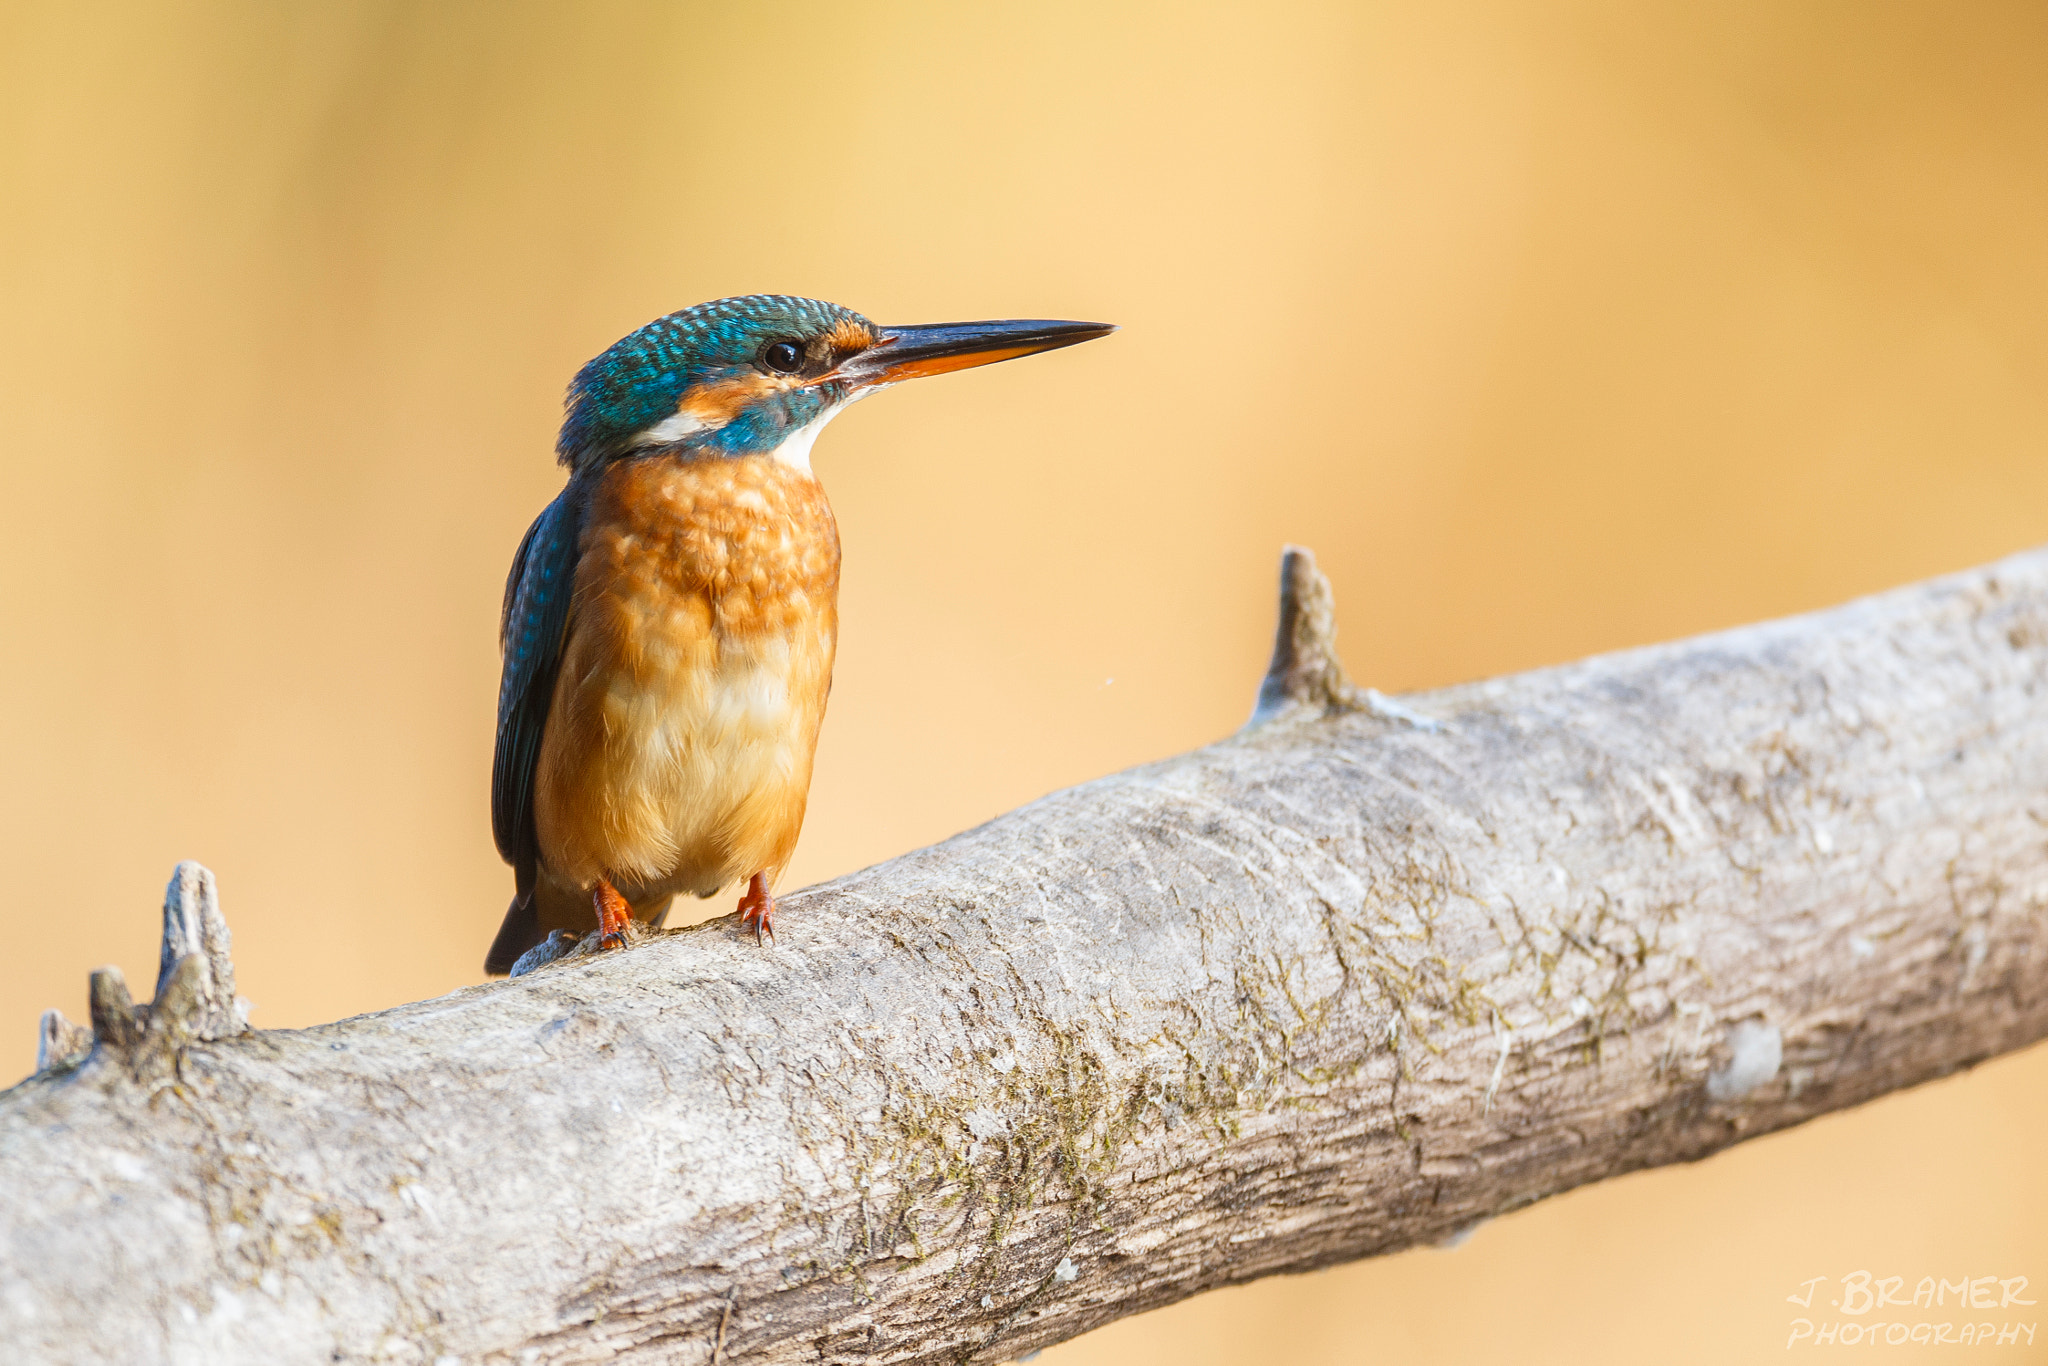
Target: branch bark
<point>1356,978</point>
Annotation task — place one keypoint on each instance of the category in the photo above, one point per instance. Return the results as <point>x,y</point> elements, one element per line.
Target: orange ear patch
<point>850,336</point>
<point>714,405</point>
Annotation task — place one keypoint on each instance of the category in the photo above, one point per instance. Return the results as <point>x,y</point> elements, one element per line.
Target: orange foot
<point>612,915</point>
<point>757,908</point>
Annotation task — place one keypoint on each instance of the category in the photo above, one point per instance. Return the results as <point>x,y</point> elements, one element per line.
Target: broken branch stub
<point>1306,680</point>
<point>1305,676</point>
<point>195,930</point>
<point>195,989</point>
<point>59,1042</point>
<point>1325,989</point>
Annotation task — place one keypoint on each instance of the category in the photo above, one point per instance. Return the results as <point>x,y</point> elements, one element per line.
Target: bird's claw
<point>757,909</point>
<point>612,914</point>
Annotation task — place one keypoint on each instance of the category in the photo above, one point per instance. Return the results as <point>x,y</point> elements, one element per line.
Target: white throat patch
<point>795,450</point>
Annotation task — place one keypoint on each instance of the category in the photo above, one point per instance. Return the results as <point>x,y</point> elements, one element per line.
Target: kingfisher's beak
<point>933,349</point>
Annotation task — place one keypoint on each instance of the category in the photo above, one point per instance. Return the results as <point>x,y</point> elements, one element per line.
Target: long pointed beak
<point>936,348</point>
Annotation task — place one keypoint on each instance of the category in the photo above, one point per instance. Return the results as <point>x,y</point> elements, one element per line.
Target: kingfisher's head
<point>763,372</point>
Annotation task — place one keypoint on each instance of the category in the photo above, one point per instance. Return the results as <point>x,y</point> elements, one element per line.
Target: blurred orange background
<point>1553,329</point>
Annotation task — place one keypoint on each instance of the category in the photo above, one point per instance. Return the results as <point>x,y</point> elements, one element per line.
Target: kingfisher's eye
<point>783,357</point>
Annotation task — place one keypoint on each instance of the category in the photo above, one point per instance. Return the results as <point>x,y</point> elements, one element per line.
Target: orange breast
<point>677,754</point>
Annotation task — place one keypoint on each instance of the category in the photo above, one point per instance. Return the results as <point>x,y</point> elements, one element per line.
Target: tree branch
<point>1354,979</point>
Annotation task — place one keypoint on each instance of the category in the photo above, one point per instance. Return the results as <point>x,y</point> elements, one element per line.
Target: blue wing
<point>535,624</point>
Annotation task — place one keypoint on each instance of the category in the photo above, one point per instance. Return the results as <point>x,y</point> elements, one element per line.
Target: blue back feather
<point>533,629</point>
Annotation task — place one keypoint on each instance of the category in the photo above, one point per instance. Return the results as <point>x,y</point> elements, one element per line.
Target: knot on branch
<point>195,989</point>
<point>1306,679</point>
<point>559,944</point>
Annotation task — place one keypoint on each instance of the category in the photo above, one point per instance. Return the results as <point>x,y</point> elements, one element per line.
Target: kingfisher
<point>670,619</point>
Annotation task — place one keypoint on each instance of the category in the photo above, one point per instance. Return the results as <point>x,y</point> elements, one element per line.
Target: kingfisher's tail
<point>520,932</point>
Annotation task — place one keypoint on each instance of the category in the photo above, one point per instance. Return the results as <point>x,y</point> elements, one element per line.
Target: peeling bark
<point>1359,977</point>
